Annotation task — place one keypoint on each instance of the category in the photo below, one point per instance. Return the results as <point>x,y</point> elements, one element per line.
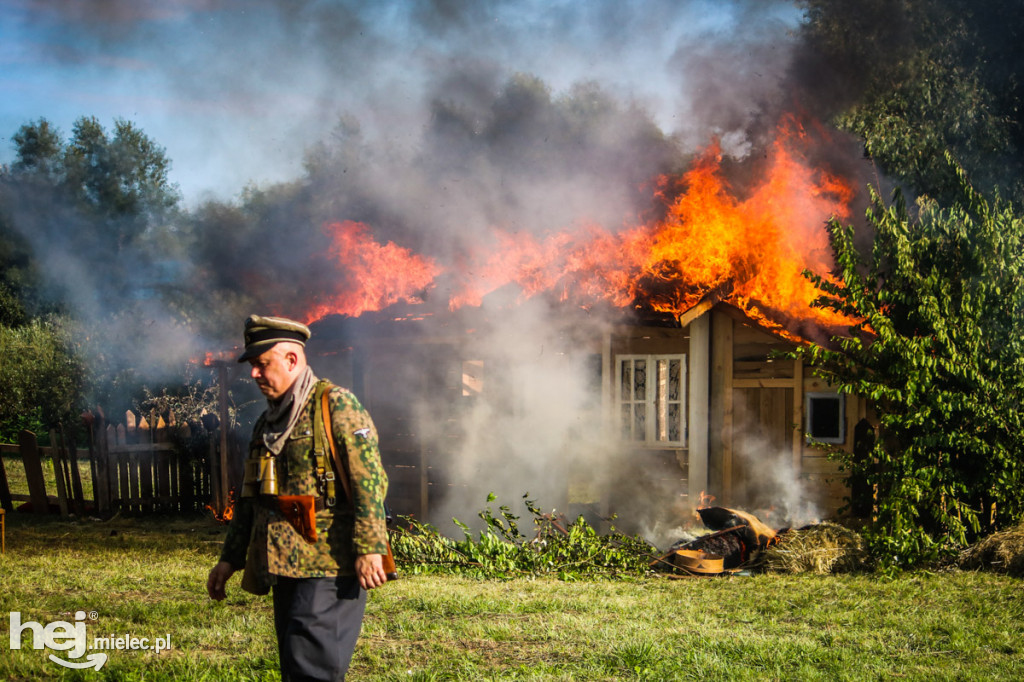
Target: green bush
<point>939,354</point>
<point>42,376</point>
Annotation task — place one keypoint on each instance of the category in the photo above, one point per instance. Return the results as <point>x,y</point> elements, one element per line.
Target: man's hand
<point>219,575</point>
<point>370,570</point>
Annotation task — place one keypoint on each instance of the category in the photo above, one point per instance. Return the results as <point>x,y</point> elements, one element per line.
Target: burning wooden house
<point>627,371</point>
<point>664,410</point>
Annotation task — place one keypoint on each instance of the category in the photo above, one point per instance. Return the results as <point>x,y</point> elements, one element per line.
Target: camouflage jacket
<point>263,542</point>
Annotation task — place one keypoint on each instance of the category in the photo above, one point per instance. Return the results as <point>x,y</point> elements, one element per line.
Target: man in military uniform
<point>293,532</point>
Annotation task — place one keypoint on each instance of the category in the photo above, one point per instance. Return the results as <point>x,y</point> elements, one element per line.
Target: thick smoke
<point>90,268</point>
<point>776,494</point>
<point>236,90</point>
<point>536,422</point>
<point>433,123</point>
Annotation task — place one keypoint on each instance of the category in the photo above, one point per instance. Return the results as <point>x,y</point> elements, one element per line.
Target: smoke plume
<point>434,124</point>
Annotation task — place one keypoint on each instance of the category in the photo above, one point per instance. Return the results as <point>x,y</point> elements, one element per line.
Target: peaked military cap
<point>262,333</point>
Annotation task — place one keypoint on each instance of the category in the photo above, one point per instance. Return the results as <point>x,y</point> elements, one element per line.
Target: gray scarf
<point>282,414</point>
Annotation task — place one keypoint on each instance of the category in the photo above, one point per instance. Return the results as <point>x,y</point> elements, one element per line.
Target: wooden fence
<point>144,464</point>
<point>30,454</point>
<point>140,465</point>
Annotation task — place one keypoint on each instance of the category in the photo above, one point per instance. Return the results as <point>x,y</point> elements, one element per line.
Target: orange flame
<point>748,251</point>
<point>705,500</point>
<point>756,247</point>
<point>229,511</point>
<point>374,275</point>
<point>212,358</point>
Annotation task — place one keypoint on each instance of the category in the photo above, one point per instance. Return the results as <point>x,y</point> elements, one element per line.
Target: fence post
<point>162,465</point>
<point>89,422</point>
<point>145,460</point>
<point>60,472</point>
<point>34,472</point>
<point>100,465</point>
<point>182,472</point>
<point>77,494</point>
<point>222,403</point>
<point>121,458</point>
<point>173,470</point>
<point>6,502</point>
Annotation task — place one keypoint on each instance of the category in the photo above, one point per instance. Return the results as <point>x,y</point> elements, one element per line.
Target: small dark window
<point>826,417</point>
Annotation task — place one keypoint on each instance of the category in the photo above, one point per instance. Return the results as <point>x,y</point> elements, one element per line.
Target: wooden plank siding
<point>744,409</point>
<point>762,403</point>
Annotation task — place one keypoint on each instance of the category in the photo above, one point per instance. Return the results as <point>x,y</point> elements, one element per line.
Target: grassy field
<point>146,578</point>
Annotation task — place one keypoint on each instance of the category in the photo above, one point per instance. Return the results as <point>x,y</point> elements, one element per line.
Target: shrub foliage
<point>940,355</point>
<point>502,550</point>
<point>42,376</point>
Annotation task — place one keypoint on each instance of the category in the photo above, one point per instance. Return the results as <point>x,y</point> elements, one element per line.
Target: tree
<point>88,201</point>
<point>914,78</point>
<point>122,180</point>
<point>19,274</point>
<point>39,150</point>
<point>12,312</point>
<point>940,355</point>
<point>78,221</point>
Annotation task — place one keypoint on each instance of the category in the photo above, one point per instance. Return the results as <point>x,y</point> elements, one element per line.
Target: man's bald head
<point>277,368</point>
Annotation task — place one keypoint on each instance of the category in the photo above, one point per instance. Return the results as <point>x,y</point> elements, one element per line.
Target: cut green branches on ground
<point>501,549</point>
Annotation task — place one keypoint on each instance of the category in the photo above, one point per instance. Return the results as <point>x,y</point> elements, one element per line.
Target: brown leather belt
<point>270,502</point>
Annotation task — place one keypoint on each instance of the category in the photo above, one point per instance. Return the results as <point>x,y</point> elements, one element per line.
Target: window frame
<point>809,399</point>
<point>654,406</point>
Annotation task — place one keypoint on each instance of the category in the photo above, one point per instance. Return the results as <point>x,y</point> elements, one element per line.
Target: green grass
<point>146,578</point>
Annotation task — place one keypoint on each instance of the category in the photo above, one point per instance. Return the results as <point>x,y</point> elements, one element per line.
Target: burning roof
<point>709,243</point>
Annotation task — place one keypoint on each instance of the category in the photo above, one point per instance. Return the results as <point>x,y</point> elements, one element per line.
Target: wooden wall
<point>758,405</point>
<point>745,412</point>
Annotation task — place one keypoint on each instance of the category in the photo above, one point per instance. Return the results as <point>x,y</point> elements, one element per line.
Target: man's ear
<point>292,358</point>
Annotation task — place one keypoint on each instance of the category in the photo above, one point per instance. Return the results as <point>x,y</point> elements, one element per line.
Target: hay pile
<point>822,549</point>
<point>1002,552</point>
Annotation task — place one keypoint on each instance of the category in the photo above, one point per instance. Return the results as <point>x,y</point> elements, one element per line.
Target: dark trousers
<point>317,621</point>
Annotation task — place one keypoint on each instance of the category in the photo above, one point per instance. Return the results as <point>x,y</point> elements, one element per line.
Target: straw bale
<point>1001,552</point>
<point>823,548</point>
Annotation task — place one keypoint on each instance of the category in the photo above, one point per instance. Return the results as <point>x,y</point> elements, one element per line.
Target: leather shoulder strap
<point>340,468</point>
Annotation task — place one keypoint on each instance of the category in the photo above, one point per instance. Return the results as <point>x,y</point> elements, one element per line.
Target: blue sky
<point>236,90</point>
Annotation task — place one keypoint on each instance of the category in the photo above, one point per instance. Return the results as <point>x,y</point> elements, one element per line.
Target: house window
<point>651,395</point>
<point>826,417</point>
